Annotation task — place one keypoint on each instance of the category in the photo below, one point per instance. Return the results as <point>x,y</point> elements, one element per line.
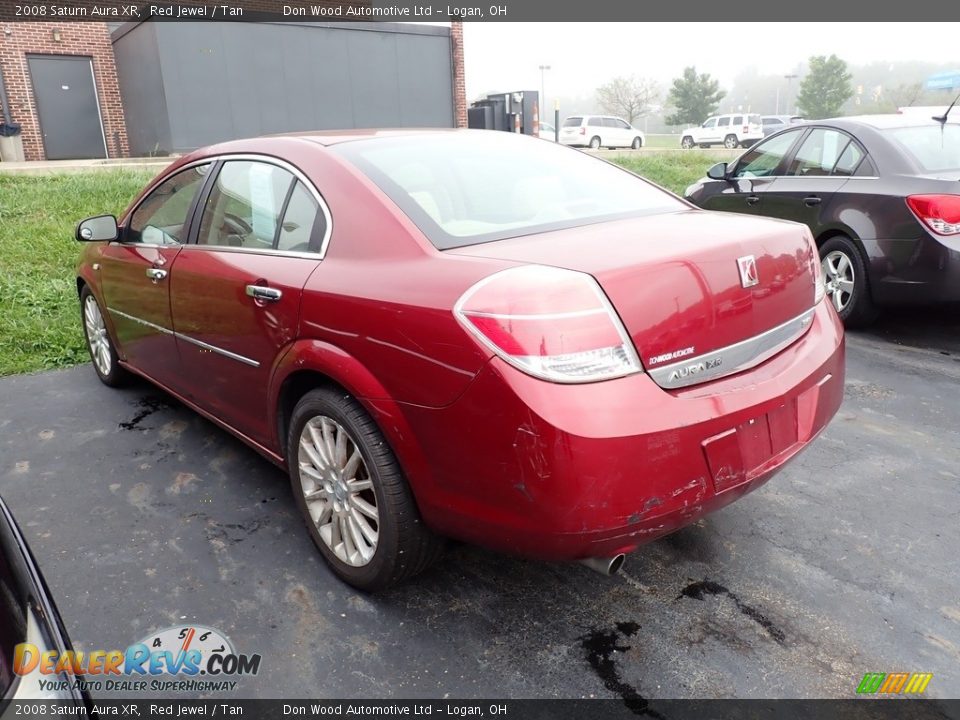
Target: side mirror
<point>718,172</point>
<point>102,228</point>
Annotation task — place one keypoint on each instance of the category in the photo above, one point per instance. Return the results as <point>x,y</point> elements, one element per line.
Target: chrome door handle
<point>267,294</point>
<point>156,274</point>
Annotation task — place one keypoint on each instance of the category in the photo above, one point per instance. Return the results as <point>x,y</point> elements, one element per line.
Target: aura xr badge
<point>748,270</point>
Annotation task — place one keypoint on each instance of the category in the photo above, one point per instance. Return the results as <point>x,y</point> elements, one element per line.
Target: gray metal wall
<point>185,85</point>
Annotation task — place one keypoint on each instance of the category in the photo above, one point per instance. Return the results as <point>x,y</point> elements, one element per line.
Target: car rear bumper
<point>563,472</point>
<point>919,271</point>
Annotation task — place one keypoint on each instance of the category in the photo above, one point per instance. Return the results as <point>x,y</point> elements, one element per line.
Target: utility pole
<point>790,78</point>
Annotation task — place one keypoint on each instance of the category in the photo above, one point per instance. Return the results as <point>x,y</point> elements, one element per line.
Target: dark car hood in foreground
<point>23,593</point>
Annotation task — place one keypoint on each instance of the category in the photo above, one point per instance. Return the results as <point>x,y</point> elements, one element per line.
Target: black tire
<point>705,146</point>
<point>405,546</point>
<point>112,375</point>
<point>595,143</point>
<point>730,142</point>
<point>636,144</point>
<point>687,143</point>
<point>857,308</point>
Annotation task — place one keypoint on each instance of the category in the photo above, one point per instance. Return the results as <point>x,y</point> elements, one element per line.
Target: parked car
<point>596,131</point>
<point>563,361</point>
<point>731,131</point>
<point>880,194</point>
<point>547,131</point>
<point>29,615</point>
<point>775,123</point>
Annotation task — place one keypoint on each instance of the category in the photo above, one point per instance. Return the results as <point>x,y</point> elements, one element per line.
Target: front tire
<point>636,144</point>
<point>103,353</point>
<point>595,143</point>
<point>845,277</point>
<point>730,142</point>
<point>352,495</point>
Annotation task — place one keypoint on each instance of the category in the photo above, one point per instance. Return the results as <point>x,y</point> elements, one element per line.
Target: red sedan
<point>467,334</point>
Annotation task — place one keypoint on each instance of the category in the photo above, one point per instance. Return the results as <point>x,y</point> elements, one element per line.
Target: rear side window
<point>849,160</point>
<point>738,120</point>
<point>763,159</point>
<point>245,205</point>
<point>303,224</point>
<point>818,153</point>
<point>573,122</point>
<point>723,122</point>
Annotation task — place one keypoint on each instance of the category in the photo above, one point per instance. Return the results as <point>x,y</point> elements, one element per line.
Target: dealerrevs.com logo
<point>191,658</point>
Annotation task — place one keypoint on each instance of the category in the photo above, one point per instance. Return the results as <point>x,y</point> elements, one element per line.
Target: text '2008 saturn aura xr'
<point>467,334</point>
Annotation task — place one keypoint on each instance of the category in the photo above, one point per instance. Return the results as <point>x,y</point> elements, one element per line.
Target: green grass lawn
<point>39,312</point>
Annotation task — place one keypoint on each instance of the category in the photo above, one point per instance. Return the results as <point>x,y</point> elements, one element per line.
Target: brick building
<point>76,87</point>
<point>28,49</point>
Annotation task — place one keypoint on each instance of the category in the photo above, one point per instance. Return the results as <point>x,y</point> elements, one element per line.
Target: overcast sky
<point>506,56</point>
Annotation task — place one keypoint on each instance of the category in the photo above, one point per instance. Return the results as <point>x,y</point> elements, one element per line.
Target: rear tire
<point>103,353</point>
<point>730,142</point>
<point>687,143</point>
<point>848,288</point>
<point>352,495</point>
<point>594,143</point>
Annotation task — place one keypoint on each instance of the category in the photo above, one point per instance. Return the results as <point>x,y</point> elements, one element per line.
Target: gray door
<point>67,107</point>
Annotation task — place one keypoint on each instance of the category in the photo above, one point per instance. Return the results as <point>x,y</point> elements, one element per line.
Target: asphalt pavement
<point>143,515</point>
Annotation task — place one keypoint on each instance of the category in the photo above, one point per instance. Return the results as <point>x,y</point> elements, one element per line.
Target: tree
<point>905,94</point>
<point>825,88</point>
<point>694,98</point>
<point>628,97</point>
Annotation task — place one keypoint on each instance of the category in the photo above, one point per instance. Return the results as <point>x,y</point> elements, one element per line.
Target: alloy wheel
<point>838,278</point>
<point>730,143</point>
<point>338,491</point>
<point>97,337</point>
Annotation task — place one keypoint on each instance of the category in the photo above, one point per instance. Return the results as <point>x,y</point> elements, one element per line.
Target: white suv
<point>596,131</point>
<point>731,131</point>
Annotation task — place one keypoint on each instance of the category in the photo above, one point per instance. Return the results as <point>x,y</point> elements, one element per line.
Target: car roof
<point>334,137</point>
<point>884,122</point>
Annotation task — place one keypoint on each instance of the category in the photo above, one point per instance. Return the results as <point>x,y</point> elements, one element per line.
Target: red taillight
<point>940,213</point>
<point>551,323</point>
<point>746,128</point>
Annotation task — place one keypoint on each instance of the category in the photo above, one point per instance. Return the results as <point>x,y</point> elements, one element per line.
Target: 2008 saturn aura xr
<point>467,334</point>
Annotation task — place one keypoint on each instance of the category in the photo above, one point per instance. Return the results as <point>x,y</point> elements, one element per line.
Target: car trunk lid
<point>701,294</point>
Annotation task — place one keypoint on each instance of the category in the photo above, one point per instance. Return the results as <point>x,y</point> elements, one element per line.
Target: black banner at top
<point>433,11</point>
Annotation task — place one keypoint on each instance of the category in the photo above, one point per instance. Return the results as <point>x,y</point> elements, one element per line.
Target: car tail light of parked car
<point>940,213</point>
<point>551,323</point>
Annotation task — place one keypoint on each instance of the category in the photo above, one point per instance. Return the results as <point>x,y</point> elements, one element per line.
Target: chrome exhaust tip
<point>605,566</point>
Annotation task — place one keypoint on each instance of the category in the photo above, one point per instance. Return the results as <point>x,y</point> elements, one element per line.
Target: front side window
<point>245,205</point>
<point>457,193</point>
<point>623,125</point>
<point>818,153</point>
<point>161,217</point>
<point>712,122</point>
<point>763,159</point>
<point>610,123</point>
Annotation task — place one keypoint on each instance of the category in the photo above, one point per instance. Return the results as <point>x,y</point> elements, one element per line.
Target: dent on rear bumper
<point>568,471</point>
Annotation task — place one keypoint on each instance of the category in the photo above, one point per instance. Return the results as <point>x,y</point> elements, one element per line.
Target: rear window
<point>932,147</point>
<point>573,122</point>
<point>467,188</point>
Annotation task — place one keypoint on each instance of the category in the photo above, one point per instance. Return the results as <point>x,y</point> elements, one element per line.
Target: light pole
<point>543,69</point>
<point>790,77</point>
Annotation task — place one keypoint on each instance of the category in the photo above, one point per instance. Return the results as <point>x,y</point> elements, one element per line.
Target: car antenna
<point>942,119</point>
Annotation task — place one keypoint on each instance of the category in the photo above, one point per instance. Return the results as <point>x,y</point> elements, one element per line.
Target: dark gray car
<point>881,195</point>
